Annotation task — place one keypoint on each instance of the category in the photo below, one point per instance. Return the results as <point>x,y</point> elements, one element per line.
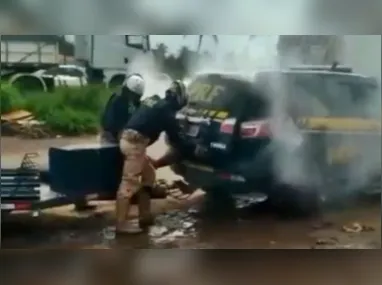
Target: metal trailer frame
<point>26,196</point>
<point>34,204</point>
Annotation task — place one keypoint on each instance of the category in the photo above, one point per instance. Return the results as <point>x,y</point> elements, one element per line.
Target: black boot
<point>144,208</point>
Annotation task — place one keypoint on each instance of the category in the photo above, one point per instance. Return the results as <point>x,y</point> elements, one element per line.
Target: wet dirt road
<point>357,227</point>
<point>60,228</point>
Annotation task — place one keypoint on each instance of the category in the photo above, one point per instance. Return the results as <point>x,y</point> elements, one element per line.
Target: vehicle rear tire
<point>290,202</point>
<point>5,214</point>
<point>218,205</point>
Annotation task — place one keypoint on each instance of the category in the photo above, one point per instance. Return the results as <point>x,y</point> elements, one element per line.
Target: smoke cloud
<point>189,17</point>
<point>229,16</point>
<point>297,167</point>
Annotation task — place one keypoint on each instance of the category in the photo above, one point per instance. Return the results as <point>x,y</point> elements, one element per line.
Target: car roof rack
<point>335,67</point>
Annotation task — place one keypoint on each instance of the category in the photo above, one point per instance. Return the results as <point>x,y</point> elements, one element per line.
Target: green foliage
<point>10,98</point>
<point>176,65</point>
<point>74,111</point>
<point>66,111</point>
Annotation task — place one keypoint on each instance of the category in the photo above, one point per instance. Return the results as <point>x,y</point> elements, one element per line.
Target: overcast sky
<point>227,43</point>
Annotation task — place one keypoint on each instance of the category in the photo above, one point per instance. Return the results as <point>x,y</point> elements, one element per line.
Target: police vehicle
<point>295,135</point>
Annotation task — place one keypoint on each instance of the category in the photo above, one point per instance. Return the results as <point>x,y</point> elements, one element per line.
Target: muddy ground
<point>358,226</point>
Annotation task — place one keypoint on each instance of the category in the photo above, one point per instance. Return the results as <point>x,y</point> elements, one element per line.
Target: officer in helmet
<point>120,108</point>
<point>154,116</point>
<point>117,112</point>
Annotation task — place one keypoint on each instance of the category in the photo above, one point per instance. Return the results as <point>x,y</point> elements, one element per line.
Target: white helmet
<point>135,83</point>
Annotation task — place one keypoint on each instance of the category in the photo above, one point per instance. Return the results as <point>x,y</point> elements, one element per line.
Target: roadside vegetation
<point>65,111</point>
<point>71,111</point>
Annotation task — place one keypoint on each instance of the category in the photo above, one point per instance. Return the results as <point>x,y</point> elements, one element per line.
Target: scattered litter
<point>328,241</point>
<point>171,227</point>
<point>17,115</point>
<point>22,123</point>
<point>357,228</point>
<point>368,228</point>
<point>176,219</point>
<point>157,231</point>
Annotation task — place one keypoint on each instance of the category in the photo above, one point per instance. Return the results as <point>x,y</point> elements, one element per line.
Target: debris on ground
<point>327,241</point>
<point>172,226</point>
<point>23,124</point>
<point>357,228</point>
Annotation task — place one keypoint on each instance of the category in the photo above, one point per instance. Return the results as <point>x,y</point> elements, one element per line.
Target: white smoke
<point>296,17</point>
<point>300,168</point>
<point>200,16</point>
<point>155,81</point>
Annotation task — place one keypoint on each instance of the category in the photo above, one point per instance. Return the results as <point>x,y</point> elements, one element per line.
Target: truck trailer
<point>50,61</point>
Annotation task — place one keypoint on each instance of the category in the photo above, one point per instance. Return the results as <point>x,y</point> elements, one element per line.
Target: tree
<point>214,37</point>
<point>216,40</point>
<point>160,52</point>
<point>174,65</point>
<point>200,41</point>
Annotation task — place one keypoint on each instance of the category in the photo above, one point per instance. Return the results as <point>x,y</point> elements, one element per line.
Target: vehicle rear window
<point>215,92</point>
<point>334,95</point>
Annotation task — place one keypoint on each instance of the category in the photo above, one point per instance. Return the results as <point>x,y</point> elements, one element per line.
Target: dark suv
<point>243,124</point>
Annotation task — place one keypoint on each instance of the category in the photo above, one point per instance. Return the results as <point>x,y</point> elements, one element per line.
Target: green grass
<point>10,98</point>
<point>67,111</point>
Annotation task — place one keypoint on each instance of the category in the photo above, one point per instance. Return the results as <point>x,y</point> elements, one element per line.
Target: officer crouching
<point>153,117</point>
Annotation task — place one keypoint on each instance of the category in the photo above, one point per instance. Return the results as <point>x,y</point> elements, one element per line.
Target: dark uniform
<point>144,128</point>
<point>117,113</point>
<point>154,117</point>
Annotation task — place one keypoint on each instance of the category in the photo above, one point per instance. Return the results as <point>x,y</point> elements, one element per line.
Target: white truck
<point>18,53</point>
<point>96,59</point>
<point>107,57</point>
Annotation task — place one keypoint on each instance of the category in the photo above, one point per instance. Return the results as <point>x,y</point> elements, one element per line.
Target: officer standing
<point>155,116</point>
<point>116,114</point>
<point>120,108</point>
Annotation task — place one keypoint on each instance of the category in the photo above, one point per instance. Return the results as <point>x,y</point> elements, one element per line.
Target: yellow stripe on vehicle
<point>221,115</point>
<point>212,113</point>
<point>341,155</point>
<point>341,124</point>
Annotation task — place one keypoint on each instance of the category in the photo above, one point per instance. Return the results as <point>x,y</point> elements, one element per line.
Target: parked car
<point>295,135</point>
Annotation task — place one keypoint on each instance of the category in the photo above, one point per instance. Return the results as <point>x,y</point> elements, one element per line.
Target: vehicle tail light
<point>232,177</point>
<point>22,206</point>
<point>228,126</point>
<point>255,129</point>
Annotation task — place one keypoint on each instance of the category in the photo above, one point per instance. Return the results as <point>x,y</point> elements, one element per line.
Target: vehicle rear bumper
<point>205,177</point>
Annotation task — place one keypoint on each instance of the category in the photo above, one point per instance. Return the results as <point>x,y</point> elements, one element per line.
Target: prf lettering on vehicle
<point>205,93</point>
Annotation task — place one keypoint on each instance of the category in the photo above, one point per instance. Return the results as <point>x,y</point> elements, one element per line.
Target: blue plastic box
<point>78,170</point>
